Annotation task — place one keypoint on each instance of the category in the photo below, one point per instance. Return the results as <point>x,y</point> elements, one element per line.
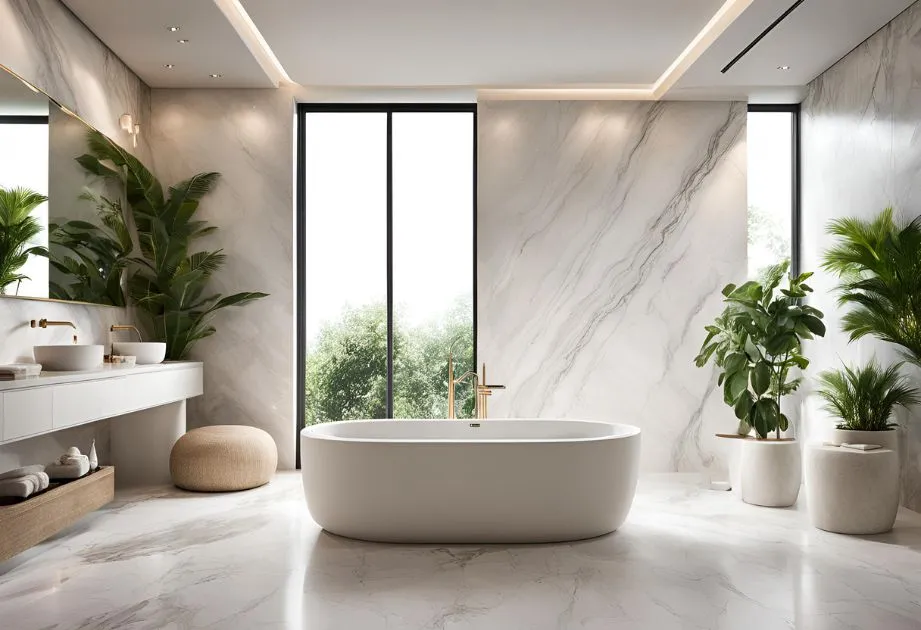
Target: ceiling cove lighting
<point>724,17</point>
<point>249,33</point>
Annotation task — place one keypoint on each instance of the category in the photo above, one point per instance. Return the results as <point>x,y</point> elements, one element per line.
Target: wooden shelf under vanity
<point>33,520</point>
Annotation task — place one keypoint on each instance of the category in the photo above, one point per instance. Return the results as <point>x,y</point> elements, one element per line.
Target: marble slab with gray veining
<point>860,153</point>
<point>605,233</point>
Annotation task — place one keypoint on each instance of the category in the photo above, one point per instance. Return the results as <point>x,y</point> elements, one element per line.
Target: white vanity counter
<point>105,372</point>
<point>150,397</point>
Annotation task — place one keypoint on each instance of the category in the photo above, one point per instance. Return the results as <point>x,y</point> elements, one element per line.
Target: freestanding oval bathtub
<point>467,481</point>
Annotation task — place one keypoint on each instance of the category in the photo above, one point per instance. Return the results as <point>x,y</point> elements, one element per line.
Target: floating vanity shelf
<point>58,400</point>
<point>38,518</point>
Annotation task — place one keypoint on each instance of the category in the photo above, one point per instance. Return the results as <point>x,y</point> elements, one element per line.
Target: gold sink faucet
<point>483,391</point>
<point>44,323</point>
<point>126,327</point>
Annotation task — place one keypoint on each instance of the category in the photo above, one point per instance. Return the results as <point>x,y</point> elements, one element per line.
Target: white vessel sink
<point>69,358</point>
<point>147,352</point>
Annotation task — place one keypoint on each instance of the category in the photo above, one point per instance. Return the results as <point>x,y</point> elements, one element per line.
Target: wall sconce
<point>126,122</point>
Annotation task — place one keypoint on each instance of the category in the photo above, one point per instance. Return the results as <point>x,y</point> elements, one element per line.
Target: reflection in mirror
<point>23,188</point>
<point>76,245</point>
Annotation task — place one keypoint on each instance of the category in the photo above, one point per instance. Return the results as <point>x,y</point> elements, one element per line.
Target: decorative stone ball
<point>73,451</point>
<point>223,458</point>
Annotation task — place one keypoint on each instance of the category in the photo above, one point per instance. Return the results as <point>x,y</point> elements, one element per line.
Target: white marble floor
<point>685,559</point>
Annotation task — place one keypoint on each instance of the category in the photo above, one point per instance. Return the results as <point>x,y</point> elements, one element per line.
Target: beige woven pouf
<point>223,458</point>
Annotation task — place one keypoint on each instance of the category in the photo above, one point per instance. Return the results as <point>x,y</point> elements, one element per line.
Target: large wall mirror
<point>62,230</point>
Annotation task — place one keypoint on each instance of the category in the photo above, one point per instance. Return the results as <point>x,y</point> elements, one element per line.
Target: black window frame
<point>795,175</point>
<point>300,236</point>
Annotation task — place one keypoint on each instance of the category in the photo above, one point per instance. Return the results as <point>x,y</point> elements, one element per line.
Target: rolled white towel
<point>40,479</point>
<point>22,472</point>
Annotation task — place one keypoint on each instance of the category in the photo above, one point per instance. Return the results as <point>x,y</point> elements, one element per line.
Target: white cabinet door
<point>26,412</point>
<point>78,403</point>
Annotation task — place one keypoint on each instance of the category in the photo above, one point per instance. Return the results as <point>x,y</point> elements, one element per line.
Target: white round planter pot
<point>771,472</point>
<point>886,439</point>
<point>852,492</point>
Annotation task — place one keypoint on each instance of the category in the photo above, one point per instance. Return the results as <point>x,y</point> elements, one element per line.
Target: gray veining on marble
<point>686,558</point>
<point>247,136</point>
<point>45,43</point>
<point>860,153</point>
<point>605,233</point>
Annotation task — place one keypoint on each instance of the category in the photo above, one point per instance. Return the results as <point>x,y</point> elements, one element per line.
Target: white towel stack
<point>70,465</point>
<point>17,371</point>
<point>23,482</point>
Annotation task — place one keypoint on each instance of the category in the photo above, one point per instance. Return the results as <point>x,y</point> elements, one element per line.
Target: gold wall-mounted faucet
<point>126,327</point>
<point>44,323</point>
<point>483,391</point>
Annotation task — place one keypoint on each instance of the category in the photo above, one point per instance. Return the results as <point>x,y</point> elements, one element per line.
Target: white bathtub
<point>459,481</point>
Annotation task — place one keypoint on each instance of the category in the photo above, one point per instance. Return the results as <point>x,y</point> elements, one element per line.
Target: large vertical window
<point>772,185</point>
<point>386,258</point>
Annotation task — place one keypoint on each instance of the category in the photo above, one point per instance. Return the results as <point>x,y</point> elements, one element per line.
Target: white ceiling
<point>478,42</point>
<point>486,43</point>
<point>816,35</point>
<point>137,31</point>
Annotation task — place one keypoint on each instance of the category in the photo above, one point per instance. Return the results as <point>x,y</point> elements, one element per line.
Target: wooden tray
<point>25,524</point>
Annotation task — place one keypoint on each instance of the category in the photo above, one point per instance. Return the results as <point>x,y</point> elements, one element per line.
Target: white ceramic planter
<point>852,492</point>
<point>886,439</point>
<point>771,472</point>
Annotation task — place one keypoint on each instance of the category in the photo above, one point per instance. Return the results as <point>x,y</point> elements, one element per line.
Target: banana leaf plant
<point>88,260</point>
<point>167,279</point>
<point>757,344</point>
<point>18,230</point>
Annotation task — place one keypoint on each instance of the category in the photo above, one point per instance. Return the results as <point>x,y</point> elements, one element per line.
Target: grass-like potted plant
<point>863,400</point>
<point>756,343</point>
<point>18,231</point>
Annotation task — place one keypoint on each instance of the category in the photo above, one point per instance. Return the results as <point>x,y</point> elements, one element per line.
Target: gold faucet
<point>126,327</point>
<point>44,323</point>
<point>483,391</point>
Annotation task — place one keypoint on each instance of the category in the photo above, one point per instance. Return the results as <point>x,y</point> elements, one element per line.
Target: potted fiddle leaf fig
<point>757,345</point>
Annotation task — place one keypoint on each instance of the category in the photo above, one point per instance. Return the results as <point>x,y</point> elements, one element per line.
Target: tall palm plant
<point>879,264</point>
<point>168,280</point>
<point>18,230</point>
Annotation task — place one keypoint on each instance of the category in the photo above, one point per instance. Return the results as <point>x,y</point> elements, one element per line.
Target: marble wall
<point>247,136</point>
<point>43,42</point>
<point>605,233</point>
<point>860,153</point>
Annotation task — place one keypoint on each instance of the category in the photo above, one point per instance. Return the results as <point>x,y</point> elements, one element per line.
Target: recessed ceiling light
<point>169,66</point>
<point>173,29</point>
<point>216,76</point>
<point>182,41</point>
<point>783,67</point>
